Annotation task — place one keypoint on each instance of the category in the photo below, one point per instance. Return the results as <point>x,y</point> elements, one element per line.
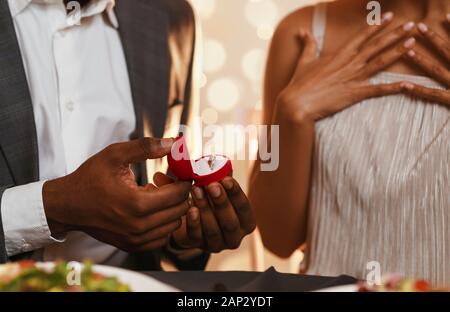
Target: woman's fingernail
<point>388,16</point>
<point>409,26</point>
<point>411,53</point>
<point>198,192</point>
<point>448,17</point>
<point>166,143</point>
<point>407,85</point>
<point>410,43</point>
<point>422,27</point>
<point>214,190</point>
<point>193,214</point>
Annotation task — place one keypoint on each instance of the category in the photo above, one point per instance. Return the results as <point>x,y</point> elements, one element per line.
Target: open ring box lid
<point>204,171</point>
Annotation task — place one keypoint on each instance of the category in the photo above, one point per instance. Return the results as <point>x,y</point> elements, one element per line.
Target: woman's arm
<point>280,197</point>
<point>300,90</point>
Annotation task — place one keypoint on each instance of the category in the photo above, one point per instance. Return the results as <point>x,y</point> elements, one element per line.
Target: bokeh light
<point>203,80</point>
<point>259,105</point>
<point>265,32</point>
<point>223,94</point>
<point>253,64</point>
<point>264,12</point>
<point>214,55</point>
<point>204,8</point>
<point>210,116</point>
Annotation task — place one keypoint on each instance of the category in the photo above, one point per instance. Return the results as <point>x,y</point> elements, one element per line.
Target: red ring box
<point>204,171</point>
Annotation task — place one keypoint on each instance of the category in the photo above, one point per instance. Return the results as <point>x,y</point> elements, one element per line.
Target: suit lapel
<point>144,28</point>
<point>18,139</point>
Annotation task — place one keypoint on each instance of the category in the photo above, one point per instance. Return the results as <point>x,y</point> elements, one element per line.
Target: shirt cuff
<point>24,222</point>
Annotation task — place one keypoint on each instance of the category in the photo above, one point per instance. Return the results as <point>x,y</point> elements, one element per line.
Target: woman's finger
<point>309,49</point>
<point>371,91</point>
<point>429,94</point>
<point>387,58</point>
<point>431,66</point>
<point>364,36</point>
<point>382,42</point>
<point>440,44</point>
<point>309,52</point>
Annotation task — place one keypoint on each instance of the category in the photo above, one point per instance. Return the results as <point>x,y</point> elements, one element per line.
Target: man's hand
<point>219,219</point>
<point>102,199</point>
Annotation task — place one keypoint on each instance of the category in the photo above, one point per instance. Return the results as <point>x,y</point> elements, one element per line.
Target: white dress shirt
<point>82,102</point>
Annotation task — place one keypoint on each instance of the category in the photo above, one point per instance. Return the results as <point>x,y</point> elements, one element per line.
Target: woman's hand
<point>432,67</point>
<point>322,87</point>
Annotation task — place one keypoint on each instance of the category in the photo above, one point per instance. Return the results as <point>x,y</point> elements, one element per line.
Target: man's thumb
<point>142,149</point>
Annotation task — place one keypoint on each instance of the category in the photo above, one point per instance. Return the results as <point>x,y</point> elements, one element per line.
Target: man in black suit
<point>68,91</point>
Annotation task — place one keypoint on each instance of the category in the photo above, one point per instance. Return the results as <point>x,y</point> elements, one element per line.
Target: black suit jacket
<point>158,40</point>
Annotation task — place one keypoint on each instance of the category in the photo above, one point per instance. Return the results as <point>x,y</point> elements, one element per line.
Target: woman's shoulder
<point>303,18</point>
<point>298,19</point>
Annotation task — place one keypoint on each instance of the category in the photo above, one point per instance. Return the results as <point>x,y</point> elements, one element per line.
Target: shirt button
<point>70,106</point>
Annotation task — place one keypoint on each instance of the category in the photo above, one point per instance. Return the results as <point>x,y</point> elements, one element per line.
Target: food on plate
<point>30,276</point>
<point>396,283</point>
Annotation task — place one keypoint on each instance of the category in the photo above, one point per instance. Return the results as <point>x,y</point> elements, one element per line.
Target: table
<point>235,281</point>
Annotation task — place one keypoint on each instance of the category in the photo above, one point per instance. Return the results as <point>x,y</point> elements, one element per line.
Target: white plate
<point>345,288</point>
<point>136,281</point>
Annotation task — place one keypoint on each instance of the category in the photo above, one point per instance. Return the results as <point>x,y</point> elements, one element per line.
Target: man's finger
<point>162,179</point>
<point>440,44</point>
<point>157,233</point>
<point>162,197</point>
<point>156,244</point>
<point>150,187</point>
<point>430,66</point>
<point>241,204</point>
<point>194,226</point>
<point>212,234</point>
<point>139,150</point>
<point>168,215</point>
<point>429,94</point>
<point>225,215</point>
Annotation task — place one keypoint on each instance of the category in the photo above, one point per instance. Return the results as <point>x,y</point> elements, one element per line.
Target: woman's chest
<point>384,145</point>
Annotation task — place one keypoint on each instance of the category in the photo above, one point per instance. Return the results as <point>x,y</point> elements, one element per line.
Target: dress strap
<point>319,24</point>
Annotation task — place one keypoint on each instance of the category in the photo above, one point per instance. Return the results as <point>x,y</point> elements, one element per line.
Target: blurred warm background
<point>234,37</point>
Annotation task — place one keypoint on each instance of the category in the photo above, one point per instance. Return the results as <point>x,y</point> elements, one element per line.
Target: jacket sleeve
<point>3,257</point>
